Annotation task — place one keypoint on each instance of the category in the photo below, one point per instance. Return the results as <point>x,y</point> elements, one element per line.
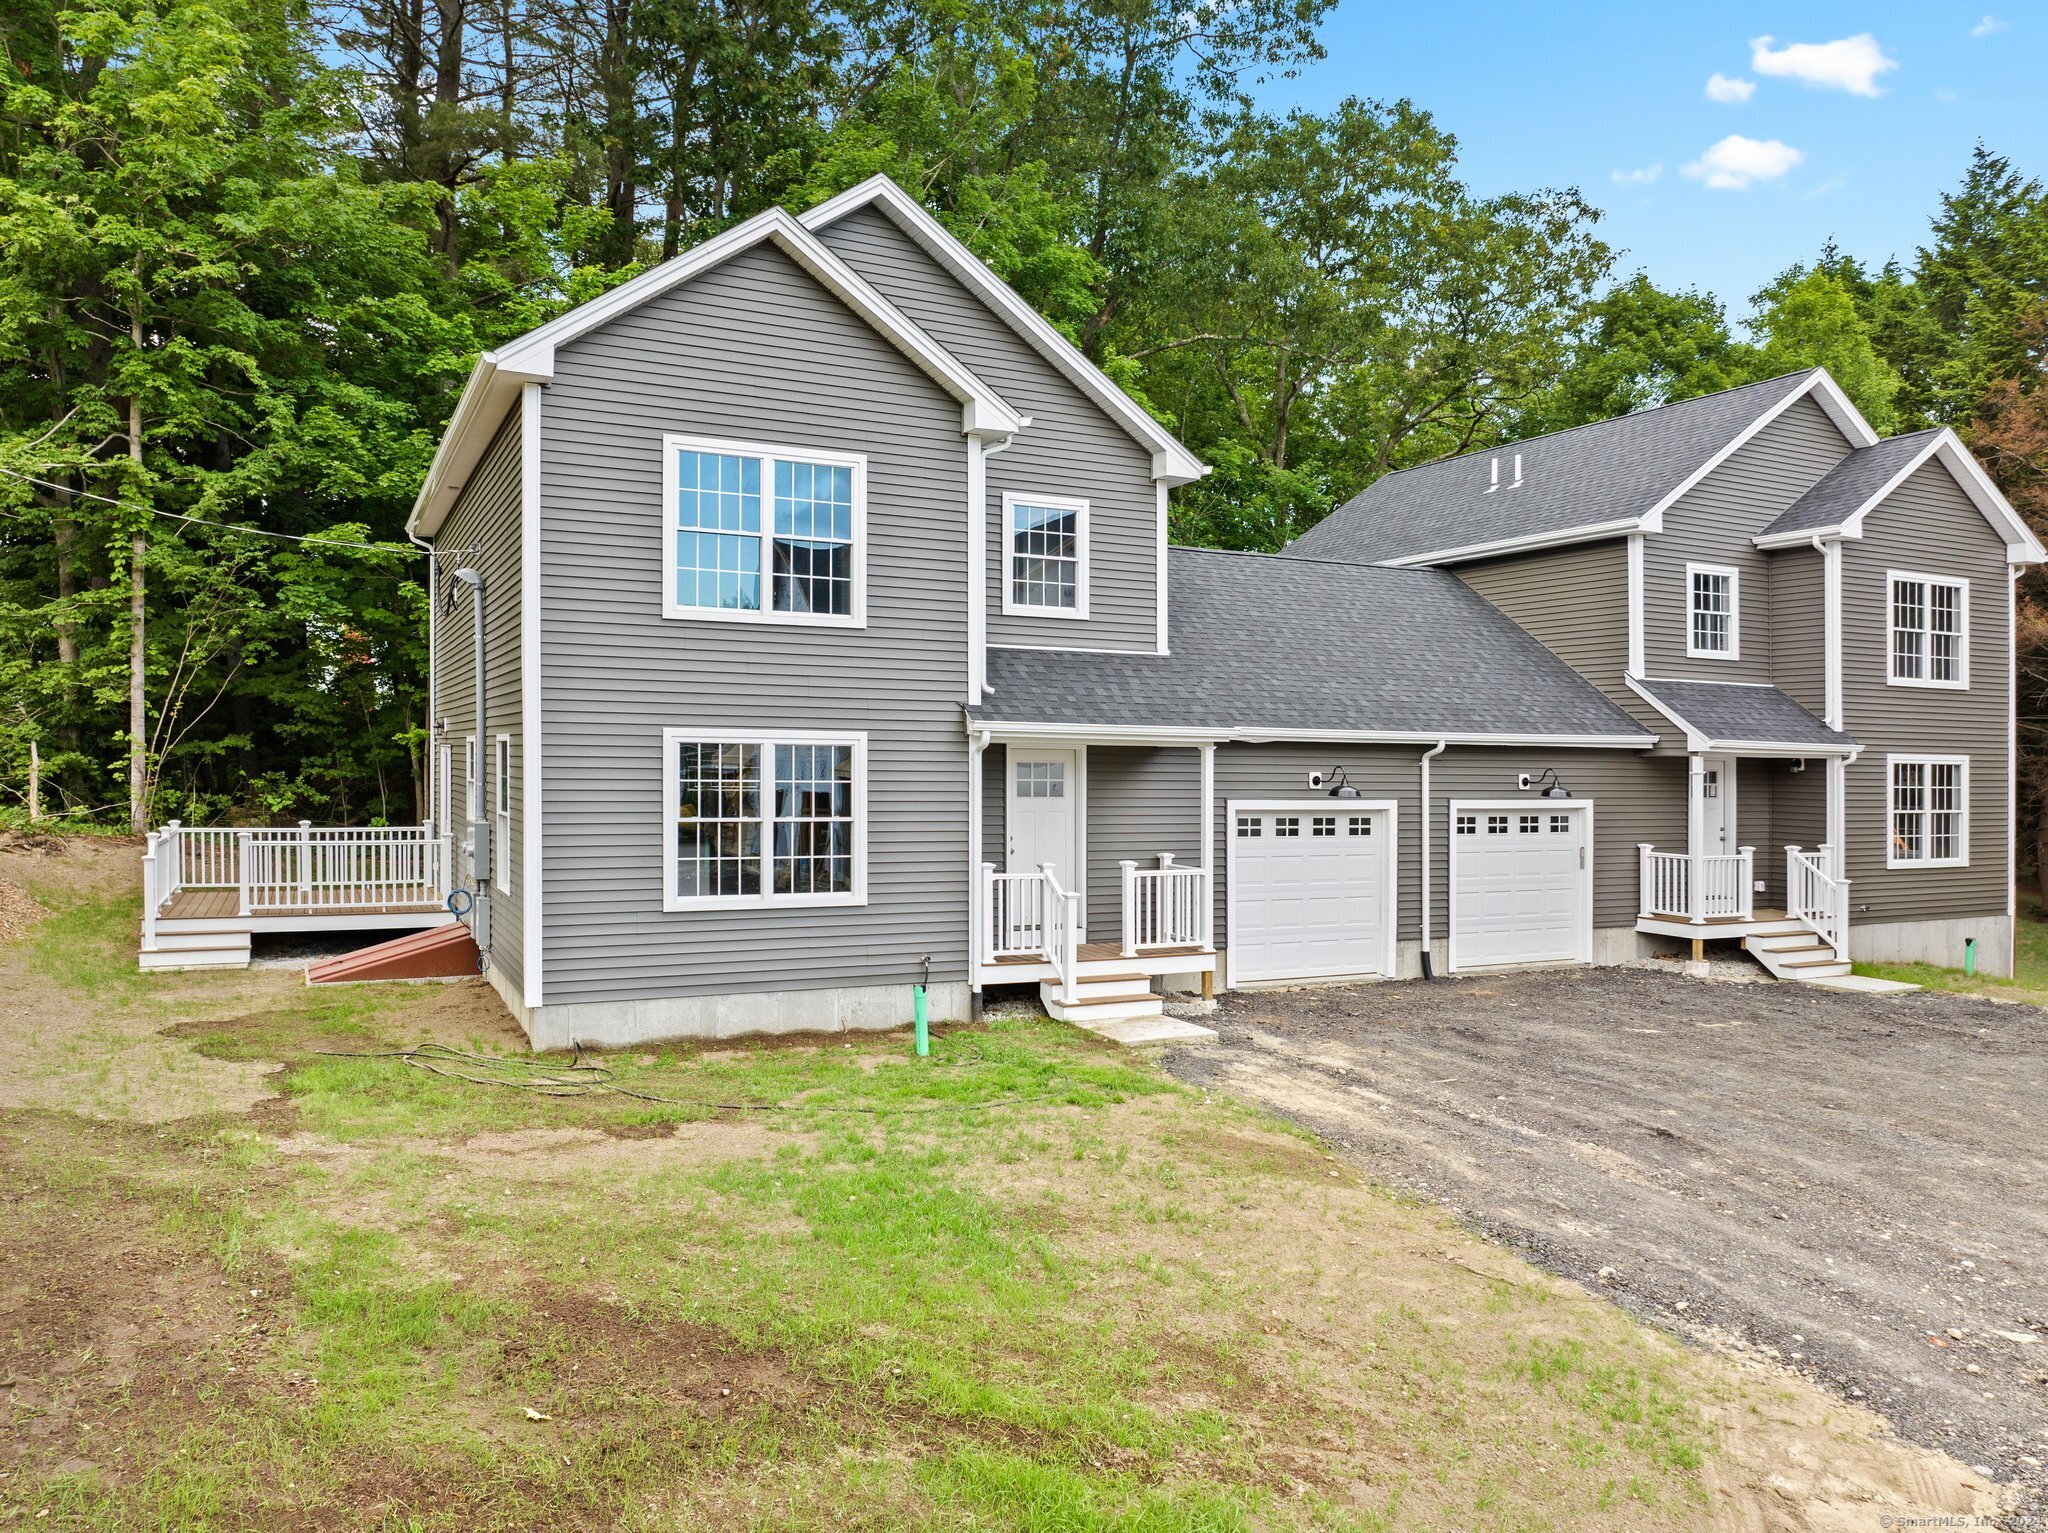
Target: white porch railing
<point>1014,914</point>
<point>1815,898</point>
<point>1716,887</point>
<point>1062,933</point>
<point>302,868</point>
<point>1165,907</point>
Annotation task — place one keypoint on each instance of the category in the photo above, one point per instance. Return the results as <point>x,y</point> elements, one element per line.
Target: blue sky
<point>1855,141</point>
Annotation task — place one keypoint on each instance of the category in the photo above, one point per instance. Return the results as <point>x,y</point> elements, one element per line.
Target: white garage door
<point>1308,892</point>
<point>1519,879</point>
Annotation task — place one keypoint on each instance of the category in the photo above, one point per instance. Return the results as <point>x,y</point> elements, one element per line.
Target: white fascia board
<point>1695,740</point>
<point>1172,463</point>
<point>491,392</point>
<point>1592,533</point>
<point>1156,734</point>
<point>2022,547</point>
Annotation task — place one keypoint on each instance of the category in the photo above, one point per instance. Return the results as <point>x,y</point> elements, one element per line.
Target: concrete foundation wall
<point>1936,942</point>
<point>618,1024</point>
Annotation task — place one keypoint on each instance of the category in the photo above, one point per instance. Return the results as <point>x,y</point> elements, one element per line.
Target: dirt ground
<point>1853,1187</point>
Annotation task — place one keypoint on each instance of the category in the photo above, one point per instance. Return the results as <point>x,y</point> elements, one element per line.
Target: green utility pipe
<point>1969,955</point>
<point>921,1013</point>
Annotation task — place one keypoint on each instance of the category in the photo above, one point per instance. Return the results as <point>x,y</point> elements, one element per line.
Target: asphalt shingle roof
<point>1260,642</point>
<point>1584,477</point>
<point>1735,713</point>
<point>1845,488</point>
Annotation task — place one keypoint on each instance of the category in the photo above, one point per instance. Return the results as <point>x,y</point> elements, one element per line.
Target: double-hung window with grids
<point>1046,564</point>
<point>765,534</point>
<point>764,819</point>
<point>1713,612</point>
<point>1930,631</point>
<point>1929,812</point>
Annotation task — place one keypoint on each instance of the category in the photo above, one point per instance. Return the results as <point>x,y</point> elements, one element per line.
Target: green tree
<point>1808,318</point>
<point>1642,347</point>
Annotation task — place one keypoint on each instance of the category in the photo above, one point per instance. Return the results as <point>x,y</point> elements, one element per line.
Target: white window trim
<point>501,813</point>
<point>671,810</point>
<point>1962,682</point>
<point>1891,857</point>
<point>1015,608</point>
<point>1734,649</point>
<point>672,443</point>
<point>471,788</point>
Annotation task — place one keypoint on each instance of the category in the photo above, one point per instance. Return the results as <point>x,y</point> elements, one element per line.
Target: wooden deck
<point>1109,952</point>
<point>224,905</point>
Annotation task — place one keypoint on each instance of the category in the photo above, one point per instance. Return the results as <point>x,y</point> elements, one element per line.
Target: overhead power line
<point>200,521</point>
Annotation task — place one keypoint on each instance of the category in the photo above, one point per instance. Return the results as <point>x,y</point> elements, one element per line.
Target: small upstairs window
<point>1713,614</point>
<point>763,534</point>
<point>1046,567</point>
<point>1930,631</point>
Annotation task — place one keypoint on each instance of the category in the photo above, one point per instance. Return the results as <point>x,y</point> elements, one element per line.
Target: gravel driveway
<point>1855,1186</point>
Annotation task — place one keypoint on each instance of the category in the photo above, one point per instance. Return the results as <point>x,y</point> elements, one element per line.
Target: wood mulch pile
<point>18,911</point>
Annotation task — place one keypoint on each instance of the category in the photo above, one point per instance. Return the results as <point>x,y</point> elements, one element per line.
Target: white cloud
<point>1848,63</point>
<point>1735,162</point>
<point>1731,92</point>
<point>1833,184</point>
<point>1946,96</point>
<point>1989,25</point>
<point>1641,177</point>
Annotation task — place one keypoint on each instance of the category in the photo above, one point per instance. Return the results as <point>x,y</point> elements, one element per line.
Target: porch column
<point>1838,818</point>
<point>1695,831</point>
<point>1208,753</point>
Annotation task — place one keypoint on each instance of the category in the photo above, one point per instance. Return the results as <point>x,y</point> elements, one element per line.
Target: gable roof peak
<point>1172,463</point>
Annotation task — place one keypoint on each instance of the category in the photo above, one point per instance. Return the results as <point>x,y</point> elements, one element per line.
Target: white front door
<point>1041,813</point>
<point>1717,807</point>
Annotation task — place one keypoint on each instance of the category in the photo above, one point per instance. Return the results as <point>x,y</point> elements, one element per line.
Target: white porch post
<point>149,892</point>
<point>1748,856</point>
<point>1208,918</point>
<point>1838,817</point>
<point>1695,832</point>
<point>1129,871</point>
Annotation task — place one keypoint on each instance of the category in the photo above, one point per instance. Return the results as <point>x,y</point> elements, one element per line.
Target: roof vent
<point>1494,482</point>
<point>1518,471</point>
<point>1493,475</point>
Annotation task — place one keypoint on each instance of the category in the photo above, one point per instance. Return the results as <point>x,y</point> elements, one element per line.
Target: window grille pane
<point>1909,805</point>
<point>1531,824</point>
<point>1496,825</point>
<point>1248,826</point>
<point>1909,621</point>
<point>1045,556</point>
<point>1944,810</point>
<point>814,577</point>
<point>813,819</point>
<point>1944,633</point>
<point>1468,824</point>
<point>813,554</point>
<point>1360,825</point>
<point>1560,824</point>
<point>718,834</point>
<point>718,513</point>
<point>1041,779</point>
<point>1323,825</point>
<point>1286,825</point>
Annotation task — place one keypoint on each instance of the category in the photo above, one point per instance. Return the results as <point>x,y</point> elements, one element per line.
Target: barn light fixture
<point>1339,783</point>
<point>1547,784</point>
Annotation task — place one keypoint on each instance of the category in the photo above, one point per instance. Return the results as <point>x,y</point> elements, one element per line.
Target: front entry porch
<point>1787,906</point>
<point>1044,914</point>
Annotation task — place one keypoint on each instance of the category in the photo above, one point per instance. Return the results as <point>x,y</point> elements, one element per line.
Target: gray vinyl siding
<point>1574,600</point>
<point>1798,628</point>
<point>1714,523</point>
<point>1142,801</point>
<point>486,519</point>
<point>1927,526</point>
<point>754,351</point>
<point>1070,449</point>
<point>1795,813</point>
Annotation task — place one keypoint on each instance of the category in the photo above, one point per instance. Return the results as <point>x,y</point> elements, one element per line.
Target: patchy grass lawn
<point>2029,985</point>
<point>259,1281</point>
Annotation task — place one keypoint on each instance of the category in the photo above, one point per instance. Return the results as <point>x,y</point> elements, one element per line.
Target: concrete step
<point>1806,974</point>
<point>195,958</point>
<point>1160,1030</point>
<point>1863,984</point>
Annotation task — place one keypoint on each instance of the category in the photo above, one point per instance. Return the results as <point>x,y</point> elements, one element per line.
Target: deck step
<point>213,925</point>
<point>194,958</point>
<point>179,941</point>
<point>1107,1000</point>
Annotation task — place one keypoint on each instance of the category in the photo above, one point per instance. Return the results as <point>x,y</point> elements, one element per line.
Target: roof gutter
<point>1166,734</point>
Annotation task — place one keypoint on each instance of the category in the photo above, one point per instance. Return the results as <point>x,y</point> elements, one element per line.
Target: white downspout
<point>1833,713</point>
<point>1428,926</point>
<point>977,742</point>
<point>980,448</point>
